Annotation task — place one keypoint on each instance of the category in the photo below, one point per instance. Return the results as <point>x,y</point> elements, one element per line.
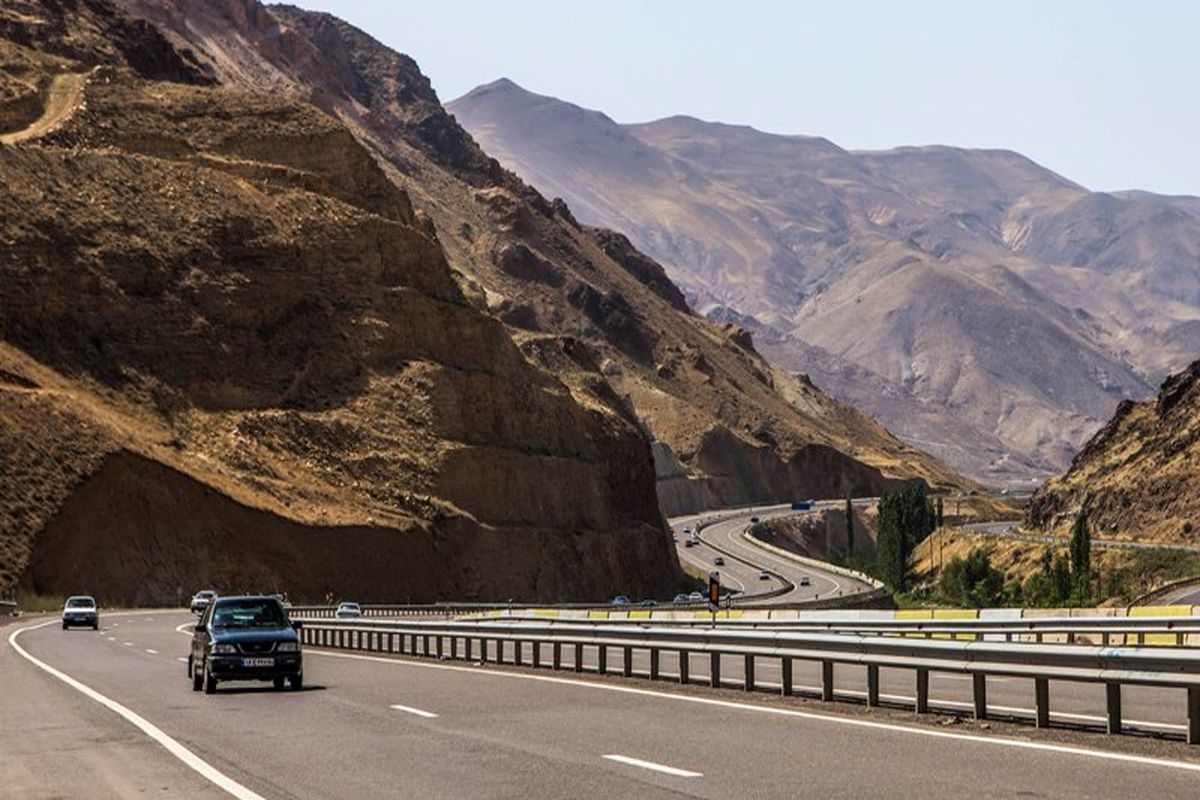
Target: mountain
<point>1137,477</point>
<point>979,305</point>
<point>233,354</point>
<point>727,426</point>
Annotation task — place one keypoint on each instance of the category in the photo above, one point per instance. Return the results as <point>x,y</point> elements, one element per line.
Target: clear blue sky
<point>1105,93</point>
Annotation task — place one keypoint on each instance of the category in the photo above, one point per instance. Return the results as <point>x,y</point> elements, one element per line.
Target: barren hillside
<point>581,301</point>
<point>979,305</point>
<point>232,354</point>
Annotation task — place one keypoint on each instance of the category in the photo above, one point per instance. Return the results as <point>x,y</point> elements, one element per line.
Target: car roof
<point>241,597</point>
<point>81,597</point>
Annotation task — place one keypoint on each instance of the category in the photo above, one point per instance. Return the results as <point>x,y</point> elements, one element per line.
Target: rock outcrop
<point>232,354</point>
<point>1139,476</point>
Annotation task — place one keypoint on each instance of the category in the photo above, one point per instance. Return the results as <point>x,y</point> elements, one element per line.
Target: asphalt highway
<point>373,726</point>
<point>726,534</point>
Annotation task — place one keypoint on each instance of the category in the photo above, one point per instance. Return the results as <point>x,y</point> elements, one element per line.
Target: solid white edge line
<point>198,765</point>
<point>637,762</point>
<point>416,711</point>
<point>1021,744</point>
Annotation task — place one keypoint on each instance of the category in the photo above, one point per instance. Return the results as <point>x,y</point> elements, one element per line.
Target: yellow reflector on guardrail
<point>956,613</point>
<point>1160,639</point>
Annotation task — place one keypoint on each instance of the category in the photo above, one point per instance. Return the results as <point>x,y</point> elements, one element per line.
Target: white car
<point>804,581</point>
<point>201,600</point>
<point>348,611</point>
<point>696,597</point>
<point>763,575</point>
<point>81,610</point>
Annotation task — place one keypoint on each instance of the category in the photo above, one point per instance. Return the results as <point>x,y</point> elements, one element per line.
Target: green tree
<point>1081,556</point>
<point>971,582</point>
<point>849,528</point>
<point>905,519</point>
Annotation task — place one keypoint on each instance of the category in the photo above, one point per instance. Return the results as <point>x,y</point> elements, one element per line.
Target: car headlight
<point>288,647</point>
<point>223,648</point>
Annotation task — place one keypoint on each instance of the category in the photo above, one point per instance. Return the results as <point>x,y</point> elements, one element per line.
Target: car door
<point>200,636</point>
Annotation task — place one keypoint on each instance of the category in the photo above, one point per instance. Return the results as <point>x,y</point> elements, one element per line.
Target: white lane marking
<point>173,747</point>
<point>637,762</point>
<point>181,658</point>
<point>151,652</point>
<point>127,644</point>
<point>112,638</point>
<point>418,712</point>
<point>1020,744</point>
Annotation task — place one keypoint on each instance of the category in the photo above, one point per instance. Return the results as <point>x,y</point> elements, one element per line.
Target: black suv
<point>245,639</point>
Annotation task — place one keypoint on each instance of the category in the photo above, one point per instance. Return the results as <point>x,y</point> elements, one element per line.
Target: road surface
<point>372,726</point>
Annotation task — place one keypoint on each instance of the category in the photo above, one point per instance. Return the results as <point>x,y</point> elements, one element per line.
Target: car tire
<point>210,680</point>
<point>297,682</point>
<point>197,678</point>
<point>65,626</point>
<point>277,682</point>
<point>95,626</point>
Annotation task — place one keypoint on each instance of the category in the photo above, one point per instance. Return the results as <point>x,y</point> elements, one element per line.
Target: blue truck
<point>805,505</point>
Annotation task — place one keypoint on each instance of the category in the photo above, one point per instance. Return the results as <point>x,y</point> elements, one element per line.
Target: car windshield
<point>81,602</point>
<point>264,613</point>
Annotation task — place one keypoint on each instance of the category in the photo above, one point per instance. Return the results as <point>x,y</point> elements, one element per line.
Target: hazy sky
<point>1105,93</point>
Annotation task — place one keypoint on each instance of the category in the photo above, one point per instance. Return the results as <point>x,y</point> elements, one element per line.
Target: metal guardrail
<point>7,608</point>
<point>1115,667</point>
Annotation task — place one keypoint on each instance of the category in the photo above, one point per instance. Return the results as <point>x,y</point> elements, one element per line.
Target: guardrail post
<point>627,662</point>
<point>467,648</point>
<point>439,646</point>
<point>748,674</point>
<point>537,653</point>
<point>602,659</point>
<point>1112,696</point>
<point>827,681</point>
<point>922,691</point>
<point>979,684</point>
<point>872,685</point>
<point>453,647</point>
<point>578,657</point>
<point>483,647</point>
<point>1041,691</point>
<point>556,655</point>
<point>518,654</point>
<point>785,668</point>
<point>1193,704</point>
<point>425,645</point>
<point>714,669</point>
<point>685,659</point>
<point>654,663</point>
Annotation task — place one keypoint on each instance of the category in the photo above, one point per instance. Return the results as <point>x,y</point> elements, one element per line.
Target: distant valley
<point>982,307</point>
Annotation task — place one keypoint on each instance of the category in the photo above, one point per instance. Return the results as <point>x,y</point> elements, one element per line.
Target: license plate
<point>258,662</point>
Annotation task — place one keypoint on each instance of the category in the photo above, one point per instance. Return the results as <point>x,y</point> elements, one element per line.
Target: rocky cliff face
<point>1138,475</point>
<point>558,285</point>
<point>232,354</point>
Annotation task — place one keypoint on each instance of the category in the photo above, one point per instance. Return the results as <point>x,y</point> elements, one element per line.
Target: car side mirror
<point>297,625</point>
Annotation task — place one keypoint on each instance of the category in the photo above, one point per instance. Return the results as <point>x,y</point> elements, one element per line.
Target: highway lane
<point>727,535</point>
<point>504,733</point>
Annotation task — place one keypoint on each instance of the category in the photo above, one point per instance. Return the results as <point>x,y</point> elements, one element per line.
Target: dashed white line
<point>127,644</point>
<point>172,746</point>
<point>416,711</point>
<point>181,658</point>
<point>637,762</point>
<point>151,652</point>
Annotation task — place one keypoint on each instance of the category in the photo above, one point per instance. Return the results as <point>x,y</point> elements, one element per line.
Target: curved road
<point>726,534</point>
<point>371,726</point>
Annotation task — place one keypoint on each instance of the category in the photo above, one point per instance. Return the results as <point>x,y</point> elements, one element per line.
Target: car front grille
<point>256,648</point>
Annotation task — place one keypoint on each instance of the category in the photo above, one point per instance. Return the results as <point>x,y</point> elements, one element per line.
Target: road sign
<point>714,591</point>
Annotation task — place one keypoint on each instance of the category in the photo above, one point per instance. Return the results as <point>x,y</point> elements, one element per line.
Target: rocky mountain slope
<point>979,305</point>
<point>728,426</point>
<point>232,354</point>
<point>1139,477</point>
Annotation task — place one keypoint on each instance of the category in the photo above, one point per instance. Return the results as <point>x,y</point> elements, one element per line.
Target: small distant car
<point>245,639</point>
<point>681,598</point>
<point>695,597</point>
<point>754,519</point>
<point>620,600</point>
<point>804,581</point>
<point>763,575</point>
<point>348,611</point>
<point>202,599</point>
<point>81,611</point>
<point>719,561</point>
<point>689,543</point>
<point>649,603</point>
<point>687,530</point>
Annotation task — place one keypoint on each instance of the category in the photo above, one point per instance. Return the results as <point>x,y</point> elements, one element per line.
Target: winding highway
<point>111,714</point>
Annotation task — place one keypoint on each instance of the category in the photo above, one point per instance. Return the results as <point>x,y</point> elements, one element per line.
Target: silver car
<point>81,610</point>
<point>348,611</point>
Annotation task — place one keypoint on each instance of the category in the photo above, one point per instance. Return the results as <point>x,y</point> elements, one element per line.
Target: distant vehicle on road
<point>686,530</point>
<point>763,575</point>
<point>719,561</point>
<point>681,598</point>
<point>649,603</point>
<point>804,581</point>
<point>245,639</point>
<point>348,611</point>
<point>81,610</point>
<point>201,600</point>
<point>689,543</point>
<point>802,505</point>
<point>695,597</point>
<point>620,600</point>
<point>754,520</point>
